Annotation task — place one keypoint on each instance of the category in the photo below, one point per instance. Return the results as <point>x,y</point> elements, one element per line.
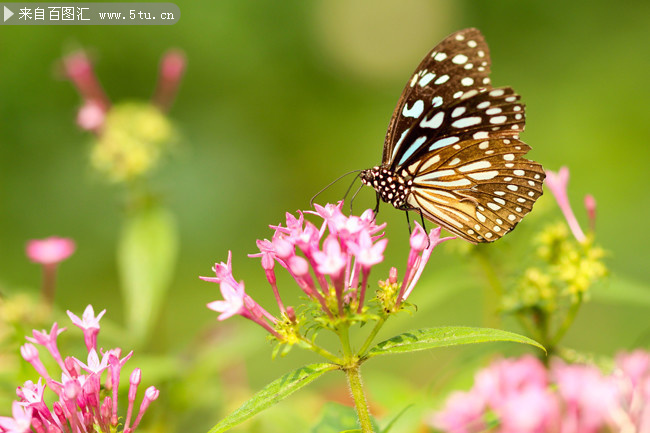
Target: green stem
<point>354,382</point>
<point>568,320</point>
<point>344,336</point>
<point>491,304</point>
<point>372,336</point>
<point>322,352</point>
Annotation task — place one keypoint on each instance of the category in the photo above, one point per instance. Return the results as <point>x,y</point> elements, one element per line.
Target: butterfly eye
<point>452,151</point>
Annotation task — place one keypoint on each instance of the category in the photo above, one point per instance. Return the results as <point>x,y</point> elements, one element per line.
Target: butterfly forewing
<point>460,64</point>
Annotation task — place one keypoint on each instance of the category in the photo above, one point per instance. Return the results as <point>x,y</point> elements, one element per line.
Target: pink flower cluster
<point>332,261</point>
<point>86,402</point>
<point>522,396</point>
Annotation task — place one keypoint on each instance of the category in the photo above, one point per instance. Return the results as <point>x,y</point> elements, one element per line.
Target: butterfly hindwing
<point>480,190</point>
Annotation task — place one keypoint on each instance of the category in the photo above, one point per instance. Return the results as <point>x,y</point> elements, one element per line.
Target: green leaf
<point>445,336</point>
<point>146,257</point>
<point>623,291</point>
<point>272,394</point>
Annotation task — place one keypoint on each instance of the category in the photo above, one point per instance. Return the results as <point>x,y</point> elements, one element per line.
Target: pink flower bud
<point>392,276</point>
<point>590,205</point>
<point>50,250</point>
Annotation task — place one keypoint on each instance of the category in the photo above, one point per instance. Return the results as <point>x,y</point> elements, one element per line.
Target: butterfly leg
<point>375,211</point>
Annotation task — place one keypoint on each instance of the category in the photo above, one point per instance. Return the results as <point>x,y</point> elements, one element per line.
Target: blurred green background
<point>280,98</point>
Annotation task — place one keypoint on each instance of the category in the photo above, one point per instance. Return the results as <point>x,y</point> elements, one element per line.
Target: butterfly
<point>452,152</point>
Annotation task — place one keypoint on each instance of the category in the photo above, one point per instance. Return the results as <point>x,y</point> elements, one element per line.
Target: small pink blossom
<point>172,68</point>
<point>89,324</point>
<point>418,257</point>
<point>50,251</point>
<point>557,183</point>
<point>590,205</point>
<point>48,340</point>
<point>235,300</point>
<point>19,422</point>
<point>331,260</point>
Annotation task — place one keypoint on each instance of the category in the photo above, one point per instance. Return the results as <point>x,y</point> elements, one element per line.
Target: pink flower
<point>463,413</point>
<point>80,403</point>
<point>172,68</point>
<point>48,340</point>
<point>557,183</point>
<point>418,258</point>
<point>508,377</point>
<point>590,205</point>
<point>588,396</point>
<point>89,324</point>
<point>19,422</point>
<point>522,396</point>
<point>50,251</point>
<point>235,300</point>
<point>533,410</point>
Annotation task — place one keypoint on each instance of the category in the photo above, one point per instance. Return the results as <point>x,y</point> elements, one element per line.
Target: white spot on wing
<point>459,59</point>
<point>434,175</point>
<point>498,120</point>
<point>457,111</point>
<point>426,79</point>
<point>415,110</point>
<point>444,142</point>
<point>442,79</point>
<point>467,81</point>
<point>434,122</point>
<point>465,122</point>
<point>484,175</point>
<point>480,135</point>
<point>401,138</point>
<point>437,101</point>
<point>474,166</point>
<point>429,162</point>
<point>440,57</point>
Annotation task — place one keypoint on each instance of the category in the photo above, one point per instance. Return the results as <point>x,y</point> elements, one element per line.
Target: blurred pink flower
<point>557,183</point>
<point>463,413</point>
<point>172,68</point>
<point>50,251</point>
<point>590,205</point>
<point>587,395</point>
<point>522,396</point>
<point>19,422</point>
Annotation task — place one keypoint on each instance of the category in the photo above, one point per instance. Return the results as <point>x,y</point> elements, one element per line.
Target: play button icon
<point>8,13</point>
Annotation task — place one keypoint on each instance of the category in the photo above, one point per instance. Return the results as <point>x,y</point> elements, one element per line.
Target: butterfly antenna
<point>311,202</point>
<point>354,195</point>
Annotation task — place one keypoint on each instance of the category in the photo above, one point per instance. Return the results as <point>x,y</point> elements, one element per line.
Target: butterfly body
<point>452,151</point>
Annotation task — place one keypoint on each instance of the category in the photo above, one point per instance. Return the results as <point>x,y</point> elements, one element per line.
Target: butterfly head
<point>391,187</point>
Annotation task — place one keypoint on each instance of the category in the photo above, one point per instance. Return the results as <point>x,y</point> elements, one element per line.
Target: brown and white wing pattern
<point>478,191</point>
